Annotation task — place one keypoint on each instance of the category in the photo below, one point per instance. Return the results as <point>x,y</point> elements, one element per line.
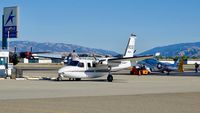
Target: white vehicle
<point>78,69</point>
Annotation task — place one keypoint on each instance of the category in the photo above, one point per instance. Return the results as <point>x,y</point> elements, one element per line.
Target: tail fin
<point>177,62</point>
<point>130,48</point>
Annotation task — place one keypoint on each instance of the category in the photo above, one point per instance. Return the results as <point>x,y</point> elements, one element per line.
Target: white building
<point>5,67</point>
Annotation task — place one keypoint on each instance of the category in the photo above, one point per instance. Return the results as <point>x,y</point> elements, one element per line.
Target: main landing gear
<point>109,77</point>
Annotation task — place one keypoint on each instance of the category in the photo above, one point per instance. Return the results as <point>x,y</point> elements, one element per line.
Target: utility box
<point>5,67</point>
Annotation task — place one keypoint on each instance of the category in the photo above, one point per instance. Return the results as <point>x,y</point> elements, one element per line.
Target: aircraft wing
<point>132,59</point>
<point>62,55</point>
<point>53,56</point>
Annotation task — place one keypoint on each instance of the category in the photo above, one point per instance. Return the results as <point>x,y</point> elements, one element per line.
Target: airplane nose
<point>61,70</point>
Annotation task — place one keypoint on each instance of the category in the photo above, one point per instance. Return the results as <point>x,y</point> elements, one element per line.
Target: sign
<point>10,22</point>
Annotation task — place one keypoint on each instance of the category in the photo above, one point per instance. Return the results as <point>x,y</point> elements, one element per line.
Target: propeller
<point>13,57</point>
<point>159,66</point>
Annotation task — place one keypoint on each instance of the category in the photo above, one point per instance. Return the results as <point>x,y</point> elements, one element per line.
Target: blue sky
<point>107,24</point>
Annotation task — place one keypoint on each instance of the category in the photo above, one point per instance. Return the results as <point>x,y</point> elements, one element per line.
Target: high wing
<point>132,59</point>
<point>64,55</point>
<point>121,63</point>
<point>53,56</point>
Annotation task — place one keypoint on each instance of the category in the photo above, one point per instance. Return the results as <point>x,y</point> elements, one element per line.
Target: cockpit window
<point>151,61</point>
<point>73,63</point>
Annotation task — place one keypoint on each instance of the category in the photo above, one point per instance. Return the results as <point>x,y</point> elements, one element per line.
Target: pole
<point>8,39</point>
<point>8,43</point>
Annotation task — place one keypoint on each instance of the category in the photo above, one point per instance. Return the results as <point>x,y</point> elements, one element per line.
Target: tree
<point>14,59</point>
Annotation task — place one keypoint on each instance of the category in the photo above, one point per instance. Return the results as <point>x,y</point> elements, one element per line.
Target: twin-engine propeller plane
<point>98,67</point>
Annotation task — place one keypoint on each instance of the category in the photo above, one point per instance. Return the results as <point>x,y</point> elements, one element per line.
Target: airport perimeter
<point>65,57</point>
<point>158,93</point>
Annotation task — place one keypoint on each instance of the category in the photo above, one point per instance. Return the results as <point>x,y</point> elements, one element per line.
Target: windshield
<point>72,63</point>
<point>151,61</point>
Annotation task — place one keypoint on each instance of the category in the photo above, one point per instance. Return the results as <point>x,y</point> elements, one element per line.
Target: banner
<point>10,22</point>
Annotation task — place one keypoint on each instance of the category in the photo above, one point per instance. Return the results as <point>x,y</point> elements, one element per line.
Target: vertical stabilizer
<point>130,48</point>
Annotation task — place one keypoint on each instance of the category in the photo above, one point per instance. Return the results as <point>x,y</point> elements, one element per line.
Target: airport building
<point>5,67</point>
<point>41,60</point>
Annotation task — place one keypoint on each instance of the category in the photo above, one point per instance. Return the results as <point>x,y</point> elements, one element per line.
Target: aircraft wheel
<point>168,73</point>
<point>78,79</point>
<point>109,78</point>
<point>59,79</point>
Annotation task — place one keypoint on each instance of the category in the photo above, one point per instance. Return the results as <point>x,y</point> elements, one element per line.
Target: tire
<point>109,78</point>
<point>78,79</point>
<point>168,72</point>
<point>59,78</point>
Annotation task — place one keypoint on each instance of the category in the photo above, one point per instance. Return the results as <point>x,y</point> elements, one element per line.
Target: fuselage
<point>90,69</point>
<point>157,66</point>
<point>83,69</point>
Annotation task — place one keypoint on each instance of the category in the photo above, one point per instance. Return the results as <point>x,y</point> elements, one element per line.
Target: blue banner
<point>9,31</point>
<point>10,22</point>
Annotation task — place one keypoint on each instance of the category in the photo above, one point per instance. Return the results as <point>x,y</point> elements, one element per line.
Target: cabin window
<point>89,65</point>
<point>81,64</point>
<point>94,65</point>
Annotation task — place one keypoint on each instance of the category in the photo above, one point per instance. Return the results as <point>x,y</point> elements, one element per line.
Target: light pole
<point>8,40</point>
<point>9,30</point>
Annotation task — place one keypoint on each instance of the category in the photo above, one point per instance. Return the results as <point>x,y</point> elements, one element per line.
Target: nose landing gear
<point>59,78</point>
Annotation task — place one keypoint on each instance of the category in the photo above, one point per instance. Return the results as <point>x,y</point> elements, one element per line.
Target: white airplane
<point>83,68</point>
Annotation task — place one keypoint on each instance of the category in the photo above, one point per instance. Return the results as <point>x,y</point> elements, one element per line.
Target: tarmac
<point>156,93</point>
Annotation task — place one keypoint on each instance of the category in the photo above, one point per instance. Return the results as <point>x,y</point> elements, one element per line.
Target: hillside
<point>56,47</point>
<point>188,49</point>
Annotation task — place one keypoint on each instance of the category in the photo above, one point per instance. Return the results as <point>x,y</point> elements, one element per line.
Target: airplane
<point>14,56</point>
<point>98,67</point>
<point>153,65</point>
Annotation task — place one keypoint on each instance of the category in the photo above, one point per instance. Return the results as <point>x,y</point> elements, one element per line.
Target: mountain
<point>55,47</point>
<point>187,49</point>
